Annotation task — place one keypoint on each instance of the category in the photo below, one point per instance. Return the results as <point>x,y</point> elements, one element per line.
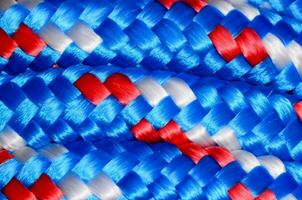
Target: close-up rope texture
<point>150,99</point>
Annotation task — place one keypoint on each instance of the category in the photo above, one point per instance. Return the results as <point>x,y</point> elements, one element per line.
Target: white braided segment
<point>182,95</point>
<point>277,51</point>
<point>84,36</point>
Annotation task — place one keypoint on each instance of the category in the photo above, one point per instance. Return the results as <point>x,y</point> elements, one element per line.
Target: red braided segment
<point>145,131</point>
<point>28,41</point>
<point>197,5</point>
<point>267,195</point>
<point>4,156</point>
<point>251,46</point>
<point>121,88</point>
<point>239,191</point>
<point>92,88</point>
<point>15,190</point>
<point>7,45</point>
<point>224,43</point>
<point>247,42</point>
<point>44,188</point>
<point>298,109</point>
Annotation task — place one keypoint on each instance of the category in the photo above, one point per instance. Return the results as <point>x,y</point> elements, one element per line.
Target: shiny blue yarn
<point>44,107</point>
<point>145,34</point>
<point>146,171</point>
<point>292,8</point>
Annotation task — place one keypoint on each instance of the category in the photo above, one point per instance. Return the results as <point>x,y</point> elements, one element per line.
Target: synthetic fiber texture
<point>150,99</point>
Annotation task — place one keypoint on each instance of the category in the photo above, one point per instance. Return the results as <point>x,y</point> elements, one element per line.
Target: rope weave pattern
<point>97,131</point>
<point>288,8</point>
<point>111,170</point>
<point>92,103</point>
<point>153,37</point>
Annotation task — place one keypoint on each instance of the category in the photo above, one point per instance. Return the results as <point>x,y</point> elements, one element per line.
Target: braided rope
<point>178,42</point>
<point>92,103</point>
<point>112,170</point>
<point>84,103</point>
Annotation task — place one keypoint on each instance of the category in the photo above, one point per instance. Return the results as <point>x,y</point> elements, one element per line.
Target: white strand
<point>24,154</point>
<point>226,137</point>
<point>295,52</point>
<point>246,159</point>
<point>152,91</point>
<point>289,197</point>
<point>104,188</point>
<point>84,36</point>
<point>238,2</point>
<point>199,135</point>
<point>249,11</point>
<point>10,140</point>
<point>273,164</point>
<point>223,6</point>
<point>52,151</point>
<point>74,188</point>
<point>180,92</point>
<point>277,51</point>
<point>55,38</point>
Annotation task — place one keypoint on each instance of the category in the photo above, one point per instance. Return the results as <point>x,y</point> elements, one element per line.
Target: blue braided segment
<point>144,171</point>
<point>290,8</point>
<point>145,34</point>
<point>44,107</point>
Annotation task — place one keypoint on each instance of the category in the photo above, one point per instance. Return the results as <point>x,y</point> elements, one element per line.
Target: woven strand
<point>290,8</point>
<point>92,103</point>
<point>112,170</point>
<point>122,41</point>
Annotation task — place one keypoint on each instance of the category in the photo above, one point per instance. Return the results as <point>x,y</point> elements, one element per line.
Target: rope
<point>146,34</point>
<point>92,103</point>
<point>112,170</point>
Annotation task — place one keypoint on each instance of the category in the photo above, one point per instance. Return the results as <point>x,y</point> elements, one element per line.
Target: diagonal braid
<point>92,103</point>
<point>113,170</point>
<point>260,47</point>
<point>292,8</point>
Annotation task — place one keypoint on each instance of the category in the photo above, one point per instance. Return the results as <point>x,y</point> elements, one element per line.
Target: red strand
<point>267,195</point>
<point>197,5</point>
<point>14,190</point>
<point>221,155</point>
<point>240,192</point>
<point>251,46</point>
<point>224,43</point>
<point>44,188</point>
<point>193,151</point>
<point>121,87</point>
<point>7,45</point>
<point>28,41</point>
<point>144,131</point>
<point>172,133</point>
<point>298,109</point>
<point>4,156</point>
<point>92,88</point>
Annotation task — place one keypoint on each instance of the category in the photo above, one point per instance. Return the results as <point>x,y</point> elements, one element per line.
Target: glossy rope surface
<point>205,102</point>
<point>255,44</point>
<point>113,170</point>
<point>92,103</point>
